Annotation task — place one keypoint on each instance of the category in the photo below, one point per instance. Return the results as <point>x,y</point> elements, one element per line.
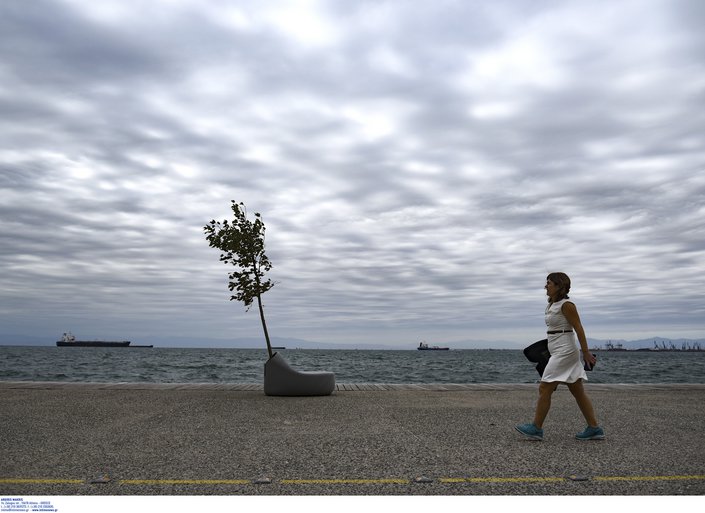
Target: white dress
<point>565,364</point>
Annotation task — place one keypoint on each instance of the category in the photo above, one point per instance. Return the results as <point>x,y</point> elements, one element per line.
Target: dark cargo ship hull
<point>92,343</point>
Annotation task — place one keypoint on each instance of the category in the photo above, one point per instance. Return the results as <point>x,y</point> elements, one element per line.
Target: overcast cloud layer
<point>420,166</point>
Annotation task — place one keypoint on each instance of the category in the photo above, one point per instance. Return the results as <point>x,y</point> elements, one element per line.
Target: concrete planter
<point>280,379</point>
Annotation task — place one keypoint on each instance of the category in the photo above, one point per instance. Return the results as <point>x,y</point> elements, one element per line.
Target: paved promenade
<point>142,439</point>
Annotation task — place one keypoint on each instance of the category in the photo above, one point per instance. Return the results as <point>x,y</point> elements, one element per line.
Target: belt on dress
<point>559,331</point>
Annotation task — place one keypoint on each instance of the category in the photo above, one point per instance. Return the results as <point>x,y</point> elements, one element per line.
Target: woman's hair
<point>563,283</point>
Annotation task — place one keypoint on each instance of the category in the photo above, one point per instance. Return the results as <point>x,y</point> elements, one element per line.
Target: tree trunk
<point>264,325</point>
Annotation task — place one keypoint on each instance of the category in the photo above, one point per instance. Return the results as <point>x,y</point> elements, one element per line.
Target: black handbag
<point>538,354</point>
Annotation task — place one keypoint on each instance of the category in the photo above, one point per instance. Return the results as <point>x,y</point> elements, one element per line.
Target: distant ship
<point>425,347</point>
<point>68,340</point>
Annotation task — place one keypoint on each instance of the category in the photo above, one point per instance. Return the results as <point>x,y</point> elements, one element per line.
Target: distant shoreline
<point>592,349</point>
<point>596,344</point>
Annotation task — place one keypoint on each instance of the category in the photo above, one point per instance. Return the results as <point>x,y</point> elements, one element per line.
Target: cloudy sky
<point>420,166</point>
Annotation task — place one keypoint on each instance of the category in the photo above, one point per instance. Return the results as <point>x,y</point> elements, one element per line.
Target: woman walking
<point>564,365</point>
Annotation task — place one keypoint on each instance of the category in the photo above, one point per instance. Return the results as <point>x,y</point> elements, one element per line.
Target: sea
<point>240,366</point>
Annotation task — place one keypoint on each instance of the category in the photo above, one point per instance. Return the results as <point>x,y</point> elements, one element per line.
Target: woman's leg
<point>544,403</point>
<point>584,402</point>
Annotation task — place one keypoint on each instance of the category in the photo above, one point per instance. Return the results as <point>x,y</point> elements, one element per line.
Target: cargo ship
<point>425,347</point>
<point>68,340</point>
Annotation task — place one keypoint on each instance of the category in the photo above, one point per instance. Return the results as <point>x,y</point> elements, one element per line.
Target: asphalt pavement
<point>141,439</point>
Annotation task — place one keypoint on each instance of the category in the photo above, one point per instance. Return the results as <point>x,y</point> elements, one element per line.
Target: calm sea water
<point>171,365</point>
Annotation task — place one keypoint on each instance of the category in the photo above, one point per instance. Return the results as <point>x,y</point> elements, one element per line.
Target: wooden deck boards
<point>340,387</point>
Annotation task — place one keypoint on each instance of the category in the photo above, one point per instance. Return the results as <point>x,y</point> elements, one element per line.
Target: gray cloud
<point>419,170</point>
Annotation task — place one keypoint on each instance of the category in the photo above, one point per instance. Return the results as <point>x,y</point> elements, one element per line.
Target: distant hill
<point>23,340</point>
<point>199,342</point>
<point>295,343</point>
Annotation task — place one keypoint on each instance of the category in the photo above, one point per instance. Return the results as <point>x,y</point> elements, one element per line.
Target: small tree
<point>242,245</point>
